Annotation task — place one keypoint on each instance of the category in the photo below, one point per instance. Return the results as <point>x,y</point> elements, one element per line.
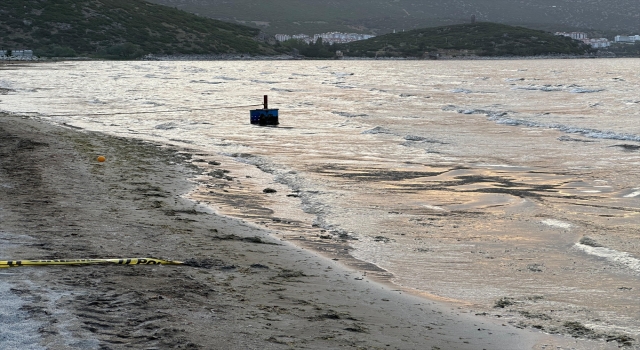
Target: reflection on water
<point>471,180</point>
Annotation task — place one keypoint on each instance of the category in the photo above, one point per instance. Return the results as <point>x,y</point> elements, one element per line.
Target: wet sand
<point>56,201</point>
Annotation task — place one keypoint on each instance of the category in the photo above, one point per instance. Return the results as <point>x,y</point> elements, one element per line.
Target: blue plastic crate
<point>264,116</point>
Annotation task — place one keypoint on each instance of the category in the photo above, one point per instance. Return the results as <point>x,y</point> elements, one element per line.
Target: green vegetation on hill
<point>118,29</point>
<point>379,17</point>
<point>482,39</point>
<point>625,49</point>
<point>312,50</point>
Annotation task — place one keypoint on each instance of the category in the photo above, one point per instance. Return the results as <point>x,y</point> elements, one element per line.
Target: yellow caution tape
<point>133,261</point>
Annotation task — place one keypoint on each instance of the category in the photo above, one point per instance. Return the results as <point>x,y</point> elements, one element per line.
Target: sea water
<point>467,180</point>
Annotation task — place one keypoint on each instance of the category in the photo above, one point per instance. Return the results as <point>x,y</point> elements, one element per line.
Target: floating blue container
<point>264,116</point>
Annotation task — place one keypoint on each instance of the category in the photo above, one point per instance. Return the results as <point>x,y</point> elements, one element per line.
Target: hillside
<point>379,17</point>
<point>117,29</point>
<point>482,39</point>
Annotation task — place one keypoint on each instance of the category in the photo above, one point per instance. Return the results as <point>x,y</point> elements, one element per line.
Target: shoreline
<point>286,57</point>
<point>263,293</point>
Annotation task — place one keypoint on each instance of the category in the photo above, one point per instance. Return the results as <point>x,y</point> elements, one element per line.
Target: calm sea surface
<point>469,180</point>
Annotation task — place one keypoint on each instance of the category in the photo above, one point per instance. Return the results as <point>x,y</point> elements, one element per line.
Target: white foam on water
<point>556,223</point>
<point>434,207</point>
<point>498,166</point>
<point>5,84</point>
<point>537,88</point>
<point>17,331</point>
<point>501,118</point>
<point>612,255</point>
<point>632,194</point>
<point>584,91</point>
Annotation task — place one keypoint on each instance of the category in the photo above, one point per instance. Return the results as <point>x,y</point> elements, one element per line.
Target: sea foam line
<point>617,257</point>
<point>632,194</point>
<point>501,118</point>
<point>19,331</point>
<point>547,88</point>
<point>557,223</point>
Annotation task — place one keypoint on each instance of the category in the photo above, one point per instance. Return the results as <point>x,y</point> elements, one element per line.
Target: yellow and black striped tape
<point>132,261</point>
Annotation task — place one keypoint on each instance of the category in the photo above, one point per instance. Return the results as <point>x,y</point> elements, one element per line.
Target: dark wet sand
<point>56,201</point>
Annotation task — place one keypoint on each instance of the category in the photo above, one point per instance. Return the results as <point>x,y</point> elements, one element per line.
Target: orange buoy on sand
<point>101,159</point>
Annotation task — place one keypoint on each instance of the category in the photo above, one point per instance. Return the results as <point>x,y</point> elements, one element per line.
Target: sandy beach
<point>57,201</point>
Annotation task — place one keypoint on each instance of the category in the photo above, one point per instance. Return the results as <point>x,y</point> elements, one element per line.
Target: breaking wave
<point>350,115</point>
<point>584,91</point>
<point>501,117</point>
<point>617,257</point>
<point>574,89</point>
<point>538,88</point>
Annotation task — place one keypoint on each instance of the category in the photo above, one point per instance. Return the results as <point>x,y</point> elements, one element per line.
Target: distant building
<point>340,38</point>
<point>599,43</point>
<point>17,54</point>
<point>627,38</point>
<point>574,35</point>
<point>327,38</point>
<point>283,37</point>
<point>303,37</point>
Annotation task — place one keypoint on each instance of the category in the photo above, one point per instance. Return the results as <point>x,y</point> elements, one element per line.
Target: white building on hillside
<point>340,38</point>
<point>574,35</point>
<point>595,43</point>
<point>599,43</point>
<point>627,38</point>
<point>283,37</point>
<point>327,38</point>
<point>17,54</point>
